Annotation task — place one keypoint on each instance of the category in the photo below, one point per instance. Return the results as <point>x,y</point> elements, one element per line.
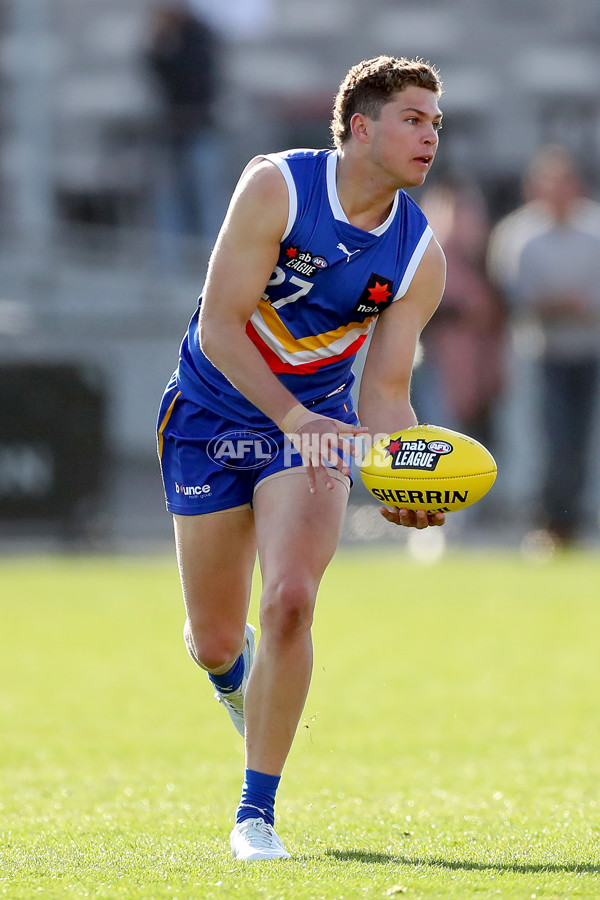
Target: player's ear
<point>359,126</point>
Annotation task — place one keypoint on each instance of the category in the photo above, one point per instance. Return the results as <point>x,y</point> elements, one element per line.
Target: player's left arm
<point>384,401</point>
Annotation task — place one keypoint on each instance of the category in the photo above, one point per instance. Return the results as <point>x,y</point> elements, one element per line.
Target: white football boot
<point>234,702</point>
<point>255,839</point>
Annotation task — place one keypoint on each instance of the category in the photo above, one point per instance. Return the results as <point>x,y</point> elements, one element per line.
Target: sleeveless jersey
<point>331,283</point>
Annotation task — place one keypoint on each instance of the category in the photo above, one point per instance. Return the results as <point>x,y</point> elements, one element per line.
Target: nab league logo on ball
<point>242,450</point>
<point>423,455</point>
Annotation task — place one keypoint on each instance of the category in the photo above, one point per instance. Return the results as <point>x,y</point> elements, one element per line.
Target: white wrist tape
<point>288,423</point>
<point>298,416</point>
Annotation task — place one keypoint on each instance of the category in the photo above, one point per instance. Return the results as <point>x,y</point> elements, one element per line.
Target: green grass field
<point>450,746</point>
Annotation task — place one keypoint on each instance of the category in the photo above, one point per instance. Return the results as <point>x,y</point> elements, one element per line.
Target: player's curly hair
<point>370,84</point>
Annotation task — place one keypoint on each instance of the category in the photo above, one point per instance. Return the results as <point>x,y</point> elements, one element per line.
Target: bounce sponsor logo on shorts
<point>192,490</point>
<point>242,449</point>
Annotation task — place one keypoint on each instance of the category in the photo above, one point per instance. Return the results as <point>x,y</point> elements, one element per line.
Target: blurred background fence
<point>100,269</point>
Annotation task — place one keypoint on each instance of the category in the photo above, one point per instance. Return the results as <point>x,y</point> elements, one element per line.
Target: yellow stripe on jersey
<point>312,342</point>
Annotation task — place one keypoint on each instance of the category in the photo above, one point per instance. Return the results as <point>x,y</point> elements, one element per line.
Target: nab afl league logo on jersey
<point>303,262</point>
<point>376,296</point>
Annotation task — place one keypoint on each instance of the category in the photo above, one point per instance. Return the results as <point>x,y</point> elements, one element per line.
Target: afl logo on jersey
<point>320,262</point>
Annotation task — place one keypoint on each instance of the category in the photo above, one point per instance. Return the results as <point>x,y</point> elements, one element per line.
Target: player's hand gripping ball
<point>428,467</point>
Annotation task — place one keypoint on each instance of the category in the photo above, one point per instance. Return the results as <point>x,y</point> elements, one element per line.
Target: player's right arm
<point>242,262</point>
<point>243,259</point>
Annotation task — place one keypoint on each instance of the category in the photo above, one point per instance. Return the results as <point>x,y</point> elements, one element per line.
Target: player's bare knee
<point>287,609</point>
<point>210,651</point>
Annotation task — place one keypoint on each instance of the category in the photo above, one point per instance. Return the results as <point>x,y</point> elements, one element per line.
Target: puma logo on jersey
<point>345,250</point>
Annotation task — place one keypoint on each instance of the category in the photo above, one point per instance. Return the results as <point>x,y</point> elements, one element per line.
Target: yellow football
<point>428,467</point>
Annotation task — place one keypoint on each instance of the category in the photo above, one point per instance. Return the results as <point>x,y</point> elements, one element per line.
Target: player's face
<point>405,137</point>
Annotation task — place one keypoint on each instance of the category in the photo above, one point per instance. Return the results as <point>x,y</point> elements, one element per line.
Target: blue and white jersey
<point>330,284</point>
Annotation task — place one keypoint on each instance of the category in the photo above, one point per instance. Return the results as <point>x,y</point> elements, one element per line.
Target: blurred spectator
<point>184,55</point>
<point>546,258</point>
<point>237,19</point>
<point>461,377</point>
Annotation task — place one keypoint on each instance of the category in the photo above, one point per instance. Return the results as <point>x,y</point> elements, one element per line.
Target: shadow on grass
<point>366,857</point>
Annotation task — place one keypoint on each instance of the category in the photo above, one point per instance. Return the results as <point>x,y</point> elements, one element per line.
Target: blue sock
<point>231,680</point>
<point>258,797</point>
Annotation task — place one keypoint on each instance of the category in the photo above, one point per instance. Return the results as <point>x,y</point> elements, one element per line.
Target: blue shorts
<point>211,463</point>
